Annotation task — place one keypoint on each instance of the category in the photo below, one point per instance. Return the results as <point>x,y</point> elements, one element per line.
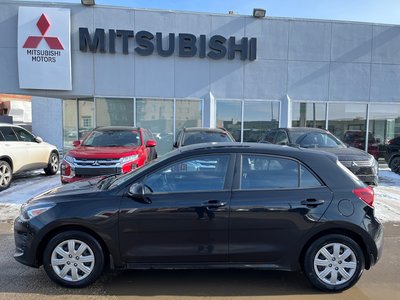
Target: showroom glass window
<point>70,120</point>
<point>346,119</point>
<point>229,116</point>
<point>188,114</point>
<point>308,114</point>
<point>158,116</point>
<point>85,117</point>
<point>384,125</point>
<point>114,112</point>
<point>257,117</point>
<point>185,176</point>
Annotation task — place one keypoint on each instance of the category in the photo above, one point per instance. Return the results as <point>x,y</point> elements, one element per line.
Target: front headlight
<point>69,158</point>
<point>129,158</point>
<point>28,212</point>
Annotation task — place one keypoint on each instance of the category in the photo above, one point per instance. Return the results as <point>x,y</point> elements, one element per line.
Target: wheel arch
<point>8,160</point>
<point>393,156</point>
<point>340,231</point>
<point>44,241</point>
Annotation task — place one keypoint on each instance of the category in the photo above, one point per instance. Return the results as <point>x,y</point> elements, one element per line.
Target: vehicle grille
<point>96,162</point>
<point>360,163</point>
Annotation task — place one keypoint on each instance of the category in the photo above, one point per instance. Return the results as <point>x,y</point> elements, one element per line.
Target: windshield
<point>316,140</point>
<point>205,137</point>
<point>112,138</point>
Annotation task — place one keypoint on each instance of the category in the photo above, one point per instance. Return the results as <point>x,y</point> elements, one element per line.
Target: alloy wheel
<point>5,175</point>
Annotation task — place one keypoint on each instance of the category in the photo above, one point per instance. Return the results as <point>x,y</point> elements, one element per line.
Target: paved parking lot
<point>21,282</point>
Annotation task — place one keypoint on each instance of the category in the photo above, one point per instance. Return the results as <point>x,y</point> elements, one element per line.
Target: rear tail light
<point>365,194</point>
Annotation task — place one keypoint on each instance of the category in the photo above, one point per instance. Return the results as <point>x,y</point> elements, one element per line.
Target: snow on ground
<point>28,185</point>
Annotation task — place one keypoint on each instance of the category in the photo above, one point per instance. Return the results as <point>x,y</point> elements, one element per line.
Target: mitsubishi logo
<point>96,163</point>
<point>354,164</point>
<point>43,25</point>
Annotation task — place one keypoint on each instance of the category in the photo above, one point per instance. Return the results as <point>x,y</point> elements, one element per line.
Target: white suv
<point>21,151</point>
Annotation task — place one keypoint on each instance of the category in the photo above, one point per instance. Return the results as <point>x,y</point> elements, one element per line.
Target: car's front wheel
<point>5,175</point>
<point>334,263</point>
<point>395,164</point>
<point>53,165</point>
<point>73,259</point>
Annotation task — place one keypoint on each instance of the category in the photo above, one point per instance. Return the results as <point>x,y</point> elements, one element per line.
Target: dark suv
<point>198,135</point>
<point>224,205</point>
<point>361,163</point>
<point>393,154</point>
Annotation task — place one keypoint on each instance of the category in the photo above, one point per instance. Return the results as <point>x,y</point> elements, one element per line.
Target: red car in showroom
<point>108,150</point>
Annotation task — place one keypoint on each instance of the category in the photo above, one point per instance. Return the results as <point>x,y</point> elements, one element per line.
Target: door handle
<point>312,202</point>
<point>213,204</point>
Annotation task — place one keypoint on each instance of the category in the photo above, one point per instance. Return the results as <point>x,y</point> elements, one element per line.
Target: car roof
<point>305,129</point>
<point>122,128</point>
<point>8,124</point>
<point>261,148</point>
<point>204,129</point>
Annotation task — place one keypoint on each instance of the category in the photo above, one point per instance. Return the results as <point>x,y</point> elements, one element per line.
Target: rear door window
<point>271,172</point>
<point>9,134</point>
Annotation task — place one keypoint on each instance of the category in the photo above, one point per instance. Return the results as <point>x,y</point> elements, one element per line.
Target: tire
<point>325,259</point>
<point>395,164</point>
<point>53,165</point>
<point>5,175</point>
<point>65,267</point>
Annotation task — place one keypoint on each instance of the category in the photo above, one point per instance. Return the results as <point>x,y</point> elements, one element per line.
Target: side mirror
<point>76,143</point>
<point>151,143</point>
<point>136,192</point>
<point>38,139</point>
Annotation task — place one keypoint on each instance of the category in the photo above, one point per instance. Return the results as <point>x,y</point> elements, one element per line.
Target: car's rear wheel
<point>395,164</point>
<point>73,259</point>
<point>53,165</point>
<point>5,175</point>
<point>334,263</point>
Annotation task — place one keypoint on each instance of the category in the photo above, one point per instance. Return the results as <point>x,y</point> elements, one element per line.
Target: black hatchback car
<point>227,205</point>
<point>359,162</point>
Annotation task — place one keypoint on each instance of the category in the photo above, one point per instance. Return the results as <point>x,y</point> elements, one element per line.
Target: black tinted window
<point>205,137</point>
<point>268,172</point>
<point>8,134</point>
<point>23,135</point>
<point>205,173</point>
<point>282,138</point>
<point>269,136</point>
<point>307,179</point>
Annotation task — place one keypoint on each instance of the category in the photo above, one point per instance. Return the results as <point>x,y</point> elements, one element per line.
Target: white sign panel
<point>44,48</point>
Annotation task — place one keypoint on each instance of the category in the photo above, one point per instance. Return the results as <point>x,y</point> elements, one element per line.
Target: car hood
<point>102,152</point>
<point>347,154</point>
<point>68,191</point>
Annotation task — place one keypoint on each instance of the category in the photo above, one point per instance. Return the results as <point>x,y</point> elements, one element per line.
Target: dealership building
<point>88,66</point>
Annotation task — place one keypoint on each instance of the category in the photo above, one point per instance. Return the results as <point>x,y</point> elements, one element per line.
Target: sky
<point>375,11</point>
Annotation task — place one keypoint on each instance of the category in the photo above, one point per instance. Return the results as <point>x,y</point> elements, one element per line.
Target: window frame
<point>239,169</point>
<point>228,176</point>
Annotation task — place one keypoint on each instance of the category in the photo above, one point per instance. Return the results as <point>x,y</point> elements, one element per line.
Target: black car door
<point>184,218</point>
<point>274,202</point>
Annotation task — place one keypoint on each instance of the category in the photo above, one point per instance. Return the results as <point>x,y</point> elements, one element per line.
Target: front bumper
<point>25,244</point>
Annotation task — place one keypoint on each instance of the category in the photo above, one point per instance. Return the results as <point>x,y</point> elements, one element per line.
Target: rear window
<point>112,138</point>
<point>205,137</point>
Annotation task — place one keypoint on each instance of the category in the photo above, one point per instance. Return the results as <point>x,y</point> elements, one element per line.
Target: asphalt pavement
<point>21,282</point>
